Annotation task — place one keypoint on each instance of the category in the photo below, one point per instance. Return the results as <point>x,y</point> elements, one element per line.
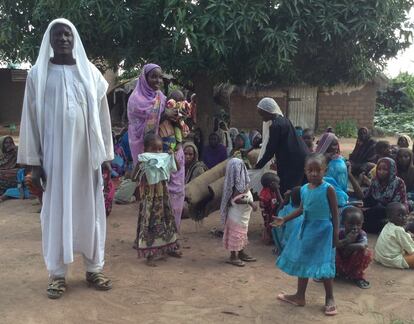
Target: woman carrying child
<point>310,252</point>
<point>156,230</point>
<point>236,207</point>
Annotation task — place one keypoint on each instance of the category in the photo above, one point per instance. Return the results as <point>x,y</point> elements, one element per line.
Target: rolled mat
<point>252,156</point>
<point>216,191</point>
<point>197,189</point>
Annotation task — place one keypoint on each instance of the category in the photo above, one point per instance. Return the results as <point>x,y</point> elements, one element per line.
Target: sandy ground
<point>199,288</point>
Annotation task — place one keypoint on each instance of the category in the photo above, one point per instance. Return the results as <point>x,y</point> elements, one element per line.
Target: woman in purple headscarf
<point>146,109</point>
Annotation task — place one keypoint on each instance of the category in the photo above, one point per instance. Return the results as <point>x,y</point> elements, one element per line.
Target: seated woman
<point>238,147</point>
<point>193,167</point>
<point>214,152</point>
<point>385,188</point>
<point>328,145</point>
<point>405,170</point>
<point>363,156</point>
<point>8,164</point>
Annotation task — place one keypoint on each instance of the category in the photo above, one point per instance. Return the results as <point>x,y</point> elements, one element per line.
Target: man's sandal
<point>56,288</point>
<point>98,280</point>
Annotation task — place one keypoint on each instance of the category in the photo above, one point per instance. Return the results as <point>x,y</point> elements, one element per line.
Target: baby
<point>352,254</point>
<point>395,247</point>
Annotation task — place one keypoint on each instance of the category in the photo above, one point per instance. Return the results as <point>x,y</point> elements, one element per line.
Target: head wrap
<point>233,132</point>
<point>407,138</point>
<point>8,160</point>
<point>270,105</point>
<point>236,178</point>
<point>93,81</point>
<point>325,142</point>
<point>392,190</point>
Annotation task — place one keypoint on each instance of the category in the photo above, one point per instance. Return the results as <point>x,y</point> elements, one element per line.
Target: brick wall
<point>335,105</point>
<point>11,98</point>
<point>243,111</point>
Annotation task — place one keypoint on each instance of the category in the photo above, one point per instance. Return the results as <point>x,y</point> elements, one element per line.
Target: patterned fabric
<point>236,179</point>
<point>109,191</point>
<point>325,142</point>
<point>8,179</point>
<point>235,236</point>
<point>156,230</point>
<point>353,266</point>
<point>268,203</point>
<point>394,189</point>
<point>197,167</point>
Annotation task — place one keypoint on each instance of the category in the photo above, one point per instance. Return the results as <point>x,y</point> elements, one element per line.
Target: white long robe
<point>73,212</point>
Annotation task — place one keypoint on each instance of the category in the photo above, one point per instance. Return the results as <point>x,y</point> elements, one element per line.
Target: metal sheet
<point>302,106</point>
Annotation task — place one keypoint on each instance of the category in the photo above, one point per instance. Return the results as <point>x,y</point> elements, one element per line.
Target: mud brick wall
<point>336,105</point>
<point>243,111</point>
<point>11,98</point>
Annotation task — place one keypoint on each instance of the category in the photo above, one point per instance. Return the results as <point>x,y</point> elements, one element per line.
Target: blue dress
<point>309,252</point>
<point>338,170</point>
<point>282,234</point>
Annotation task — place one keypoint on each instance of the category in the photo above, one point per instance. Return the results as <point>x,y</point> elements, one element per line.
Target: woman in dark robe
<point>363,157</point>
<point>280,140</point>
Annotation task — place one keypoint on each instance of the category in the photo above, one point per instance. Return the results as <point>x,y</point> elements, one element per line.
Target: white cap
<point>270,105</point>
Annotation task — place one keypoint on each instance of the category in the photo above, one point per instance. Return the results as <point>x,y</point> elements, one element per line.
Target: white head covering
<point>92,79</point>
<point>270,105</point>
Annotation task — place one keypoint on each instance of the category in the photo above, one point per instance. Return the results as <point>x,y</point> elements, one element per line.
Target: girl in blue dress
<point>310,250</point>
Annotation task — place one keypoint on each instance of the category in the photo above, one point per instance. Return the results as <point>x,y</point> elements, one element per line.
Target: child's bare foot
<point>292,299</point>
<point>330,307</point>
<point>150,262</point>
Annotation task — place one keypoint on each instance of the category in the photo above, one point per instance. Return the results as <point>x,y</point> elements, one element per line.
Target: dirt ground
<point>199,288</point>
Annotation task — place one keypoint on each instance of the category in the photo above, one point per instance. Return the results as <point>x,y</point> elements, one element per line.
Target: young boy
<point>281,234</point>
<point>352,254</point>
<point>395,247</point>
<point>309,138</point>
<point>270,199</point>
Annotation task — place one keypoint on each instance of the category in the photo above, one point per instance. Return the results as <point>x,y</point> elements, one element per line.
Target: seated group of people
<point>373,191</point>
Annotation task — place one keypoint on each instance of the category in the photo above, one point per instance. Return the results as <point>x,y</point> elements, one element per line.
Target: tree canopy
<point>285,41</point>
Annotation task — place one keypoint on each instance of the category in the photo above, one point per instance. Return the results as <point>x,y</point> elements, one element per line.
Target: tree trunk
<point>206,107</point>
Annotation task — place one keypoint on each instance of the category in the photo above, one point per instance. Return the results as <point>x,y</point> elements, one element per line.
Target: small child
<point>395,247</point>
<point>282,234</point>
<point>312,254</point>
<point>156,231</point>
<point>309,138</point>
<point>352,254</point>
<point>270,200</point>
<point>173,133</point>
<point>236,207</point>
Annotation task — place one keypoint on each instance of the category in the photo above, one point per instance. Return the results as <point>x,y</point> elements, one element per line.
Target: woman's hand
<point>278,221</point>
<point>171,114</point>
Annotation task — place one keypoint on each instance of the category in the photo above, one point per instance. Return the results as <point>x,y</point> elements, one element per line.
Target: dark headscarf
<point>406,174</point>
<point>8,160</point>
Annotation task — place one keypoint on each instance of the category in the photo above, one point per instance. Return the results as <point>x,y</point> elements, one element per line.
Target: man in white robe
<point>65,137</point>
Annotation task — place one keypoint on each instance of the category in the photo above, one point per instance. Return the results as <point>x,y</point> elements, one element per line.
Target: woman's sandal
<point>56,288</point>
<point>331,310</point>
<point>236,262</point>
<point>362,283</point>
<point>246,258</point>
<point>175,254</point>
<point>98,280</point>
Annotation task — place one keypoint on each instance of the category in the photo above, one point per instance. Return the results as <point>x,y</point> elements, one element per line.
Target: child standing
<point>282,234</point>
<point>236,207</point>
<point>156,230</point>
<point>395,247</point>
<point>352,255</point>
<point>270,200</point>
<point>309,138</point>
<point>312,254</point>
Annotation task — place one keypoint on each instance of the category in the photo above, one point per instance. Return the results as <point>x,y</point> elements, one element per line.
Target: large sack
<point>252,156</point>
<point>197,189</point>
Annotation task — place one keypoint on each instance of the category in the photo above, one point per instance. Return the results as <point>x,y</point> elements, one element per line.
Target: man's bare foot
<point>292,299</point>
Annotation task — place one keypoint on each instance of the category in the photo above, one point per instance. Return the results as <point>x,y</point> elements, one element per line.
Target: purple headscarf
<point>237,178</point>
<point>140,103</point>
